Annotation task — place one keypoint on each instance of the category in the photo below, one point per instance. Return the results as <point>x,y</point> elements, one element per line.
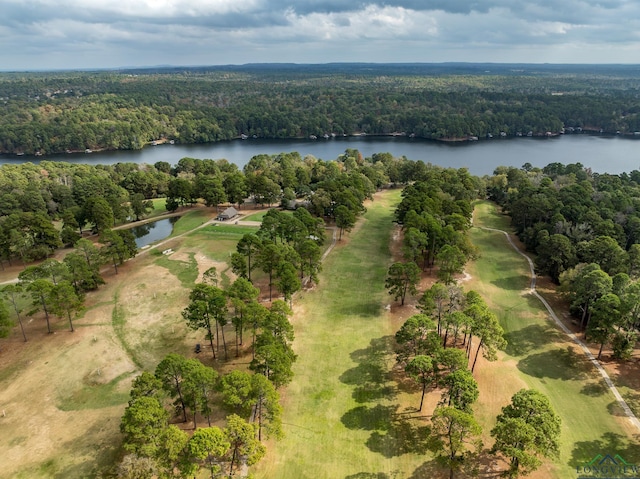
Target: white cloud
<point>232,31</point>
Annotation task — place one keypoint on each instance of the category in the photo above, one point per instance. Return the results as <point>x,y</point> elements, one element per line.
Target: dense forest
<point>584,229</point>
<point>54,112</point>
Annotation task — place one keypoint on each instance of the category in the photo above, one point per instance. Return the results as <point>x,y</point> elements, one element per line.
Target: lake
<point>600,153</point>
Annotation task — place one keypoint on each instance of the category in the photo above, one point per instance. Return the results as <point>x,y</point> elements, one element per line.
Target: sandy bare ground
<point>62,395</point>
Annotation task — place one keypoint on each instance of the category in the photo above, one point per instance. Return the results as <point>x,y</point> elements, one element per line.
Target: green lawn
<point>259,216</point>
<point>543,356</point>
<point>190,220</point>
<point>217,241</point>
<point>159,207</point>
<point>344,415</point>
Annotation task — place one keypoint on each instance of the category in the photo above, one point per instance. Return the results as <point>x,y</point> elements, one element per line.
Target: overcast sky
<point>53,34</point>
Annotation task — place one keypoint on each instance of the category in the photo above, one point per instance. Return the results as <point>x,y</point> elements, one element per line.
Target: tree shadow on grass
<point>557,363</point>
<point>512,283</point>
<point>485,465</point>
<point>369,418</point>
<point>403,437</point>
<point>609,444</point>
<point>392,433</point>
<point>633,401</point>
<point>594,388</point>
<point>429,470</point>
<point>530,338</point>
<point>366,309</point>
<point>371,377</point>
<point>103,456</point>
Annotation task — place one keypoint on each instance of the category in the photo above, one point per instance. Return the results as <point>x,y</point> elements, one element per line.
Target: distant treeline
<point>45,113</point>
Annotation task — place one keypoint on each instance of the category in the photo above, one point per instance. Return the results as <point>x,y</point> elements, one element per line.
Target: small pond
<point>154,231</point>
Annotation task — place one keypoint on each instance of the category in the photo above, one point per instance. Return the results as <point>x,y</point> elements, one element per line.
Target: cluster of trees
<point>212,309</point>
<point>585,230</point>
<point>182,387</point>
<point>287,248</point>
<point>435,214</point>
<point>607,307</point>
<point>427,343</point>
<point>58,287</point>
<point>429,351</point>
<point>45,206</point>
<point>54,113</point>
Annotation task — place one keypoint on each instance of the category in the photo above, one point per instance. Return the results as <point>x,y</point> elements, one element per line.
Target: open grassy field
<point>346,416</point>
<point>540,356</point>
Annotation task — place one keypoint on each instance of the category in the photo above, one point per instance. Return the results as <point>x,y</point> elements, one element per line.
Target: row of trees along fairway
<point>439,348</point>
<point>72,111</point>
<point>435,214</point>
<point>585,230</point>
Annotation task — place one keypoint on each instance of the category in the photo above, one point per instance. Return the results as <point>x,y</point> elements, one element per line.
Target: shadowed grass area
<point>544,357</point>
<point>344,415</point>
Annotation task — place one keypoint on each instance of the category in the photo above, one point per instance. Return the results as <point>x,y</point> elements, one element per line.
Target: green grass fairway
<point>344,415</point>
<point>542,357</point>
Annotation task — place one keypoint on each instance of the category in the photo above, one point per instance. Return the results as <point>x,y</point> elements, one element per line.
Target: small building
<point>227,214</point>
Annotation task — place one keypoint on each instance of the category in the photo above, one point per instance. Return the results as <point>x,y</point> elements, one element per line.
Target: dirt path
<point>332,245</point>
<point>532,288</point>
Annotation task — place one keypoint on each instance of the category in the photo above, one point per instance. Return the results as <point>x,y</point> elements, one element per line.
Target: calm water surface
<point>601,154</point>
<point>154,231</point>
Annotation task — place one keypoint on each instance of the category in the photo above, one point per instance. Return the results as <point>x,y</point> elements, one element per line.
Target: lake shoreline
<point>600,153</point>
<point>454,141</point>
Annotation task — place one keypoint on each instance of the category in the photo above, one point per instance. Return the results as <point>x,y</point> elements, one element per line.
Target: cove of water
<point>603,154</point>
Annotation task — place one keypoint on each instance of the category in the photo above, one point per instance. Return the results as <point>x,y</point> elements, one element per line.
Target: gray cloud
<point>95,33</point>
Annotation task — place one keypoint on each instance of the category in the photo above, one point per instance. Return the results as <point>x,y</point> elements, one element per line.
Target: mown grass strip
<point>118,321</point>
<point>190,220</point>
<point>345,416</point>
<point>95,396</point>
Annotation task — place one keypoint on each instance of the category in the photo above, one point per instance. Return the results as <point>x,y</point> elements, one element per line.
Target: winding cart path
<point>532,288</point>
